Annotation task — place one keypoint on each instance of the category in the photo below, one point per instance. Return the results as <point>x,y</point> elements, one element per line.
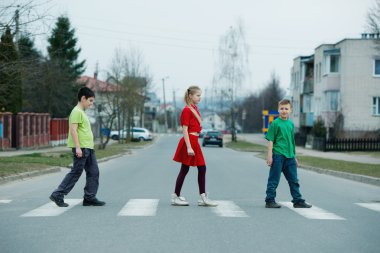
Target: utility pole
<point>166,116</point>
<point>175,112</point>
<point>17,32</point>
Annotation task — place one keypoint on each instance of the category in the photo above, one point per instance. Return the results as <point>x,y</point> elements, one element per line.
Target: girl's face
<point>196,97</point>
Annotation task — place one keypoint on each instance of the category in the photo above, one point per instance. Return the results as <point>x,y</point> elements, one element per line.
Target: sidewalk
<point>350,157</point>
<point>42,150</point>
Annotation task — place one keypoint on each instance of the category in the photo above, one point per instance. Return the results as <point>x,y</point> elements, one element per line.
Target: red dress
<point>188,119</point>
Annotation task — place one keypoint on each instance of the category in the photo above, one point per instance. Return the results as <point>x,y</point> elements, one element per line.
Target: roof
<point>94,84</point>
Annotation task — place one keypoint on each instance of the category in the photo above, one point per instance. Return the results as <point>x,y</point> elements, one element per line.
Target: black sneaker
<point>272,205</point>
<point>302,205</point>
<point>93,202</point>
<point>58,202</point>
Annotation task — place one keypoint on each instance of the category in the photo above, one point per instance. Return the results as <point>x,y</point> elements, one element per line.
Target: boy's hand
<point>269,161</point>
<point>190,152</point>
<point>78,152</point>
<point>296,161</point>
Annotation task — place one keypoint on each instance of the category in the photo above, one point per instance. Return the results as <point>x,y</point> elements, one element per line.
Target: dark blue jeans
<point>88,163</point>
<point>288,166</point>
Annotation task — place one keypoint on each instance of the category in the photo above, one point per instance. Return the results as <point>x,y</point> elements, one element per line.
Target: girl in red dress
<point>189,152</point>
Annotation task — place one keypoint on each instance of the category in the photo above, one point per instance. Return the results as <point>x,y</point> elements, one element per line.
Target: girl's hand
<point>190,152</point>
<point>269,161</point>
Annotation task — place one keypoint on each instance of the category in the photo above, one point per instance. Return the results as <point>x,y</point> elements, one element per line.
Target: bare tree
<point>130,73</point>
<point>232,68</point>
<point>373,21</point>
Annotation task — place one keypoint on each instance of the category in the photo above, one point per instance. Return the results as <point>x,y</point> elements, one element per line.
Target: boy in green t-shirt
<point>81,141</point>
<point>282,157</point>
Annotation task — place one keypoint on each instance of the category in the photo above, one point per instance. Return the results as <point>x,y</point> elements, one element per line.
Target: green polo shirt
<point>85,136</point>
<point>281,133</point>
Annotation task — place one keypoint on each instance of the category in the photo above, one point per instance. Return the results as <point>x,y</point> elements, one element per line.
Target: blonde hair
<point>190,91</point>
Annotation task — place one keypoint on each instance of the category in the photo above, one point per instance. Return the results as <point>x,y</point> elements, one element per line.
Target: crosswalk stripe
<point>372,206</point>
<point>5,201</point>
<point>228,209</point>
<point>314,212</point>
<point>139,207</point>
<point>51,209</point>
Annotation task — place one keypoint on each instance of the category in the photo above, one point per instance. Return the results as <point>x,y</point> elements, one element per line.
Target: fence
<point>32,130</point>
<point>5,131</point>
<point>59,129</point>
<point>352,145</point>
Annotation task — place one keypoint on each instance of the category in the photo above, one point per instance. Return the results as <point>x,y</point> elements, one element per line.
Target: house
<point>339,84</point>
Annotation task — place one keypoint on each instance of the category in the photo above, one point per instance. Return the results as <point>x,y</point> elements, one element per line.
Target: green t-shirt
<point>85,136</point>
<point>281,133</point>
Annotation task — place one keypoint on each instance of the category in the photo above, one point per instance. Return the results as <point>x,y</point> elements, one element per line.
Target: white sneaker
<point>178,201</point>
<point>205,201</point>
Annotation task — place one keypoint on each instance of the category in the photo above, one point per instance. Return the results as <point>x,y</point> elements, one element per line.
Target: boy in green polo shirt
<point>282,157</point>
<point>81,142</point>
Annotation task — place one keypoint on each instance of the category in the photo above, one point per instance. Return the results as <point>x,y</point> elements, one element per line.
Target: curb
<point>350,176</point>
<point>29,174</point>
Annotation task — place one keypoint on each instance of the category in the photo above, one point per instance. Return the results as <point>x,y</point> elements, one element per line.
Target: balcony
<point>308,86</point>
<point>306,119</point>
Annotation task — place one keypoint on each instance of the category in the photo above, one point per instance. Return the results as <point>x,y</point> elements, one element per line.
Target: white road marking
<point>5,201</point>
<point>228,209</point>
<point>314,212</point>
<point>372,206</point>
<point>51,209</point>
<point>139,207</point>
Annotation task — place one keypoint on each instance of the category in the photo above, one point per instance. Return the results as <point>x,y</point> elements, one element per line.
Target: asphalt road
<point>138,216</point>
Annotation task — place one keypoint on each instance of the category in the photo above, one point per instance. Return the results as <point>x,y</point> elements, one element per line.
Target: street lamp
<point>166,117</point>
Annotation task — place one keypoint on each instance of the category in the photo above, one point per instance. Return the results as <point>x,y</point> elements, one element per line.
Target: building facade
<point>339,84</point>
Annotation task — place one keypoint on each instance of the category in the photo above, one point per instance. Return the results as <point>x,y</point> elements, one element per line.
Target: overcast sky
<point>180,39</point>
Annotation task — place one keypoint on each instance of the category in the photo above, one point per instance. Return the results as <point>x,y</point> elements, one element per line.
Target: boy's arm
<point>74,134</point>
<point>190,150</point>
<point>270,153</point>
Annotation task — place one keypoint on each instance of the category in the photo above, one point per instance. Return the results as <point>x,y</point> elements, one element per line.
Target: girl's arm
<point>190,150</point>
<point>270,157</point>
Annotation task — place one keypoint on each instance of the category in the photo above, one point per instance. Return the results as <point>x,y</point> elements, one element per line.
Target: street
<point>138,216</point>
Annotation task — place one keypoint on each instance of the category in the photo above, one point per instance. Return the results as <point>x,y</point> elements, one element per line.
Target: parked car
<point>213,138</point>
<point>137,134</point>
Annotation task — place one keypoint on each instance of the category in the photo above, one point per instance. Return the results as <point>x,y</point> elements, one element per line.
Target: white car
<point>137,134</point>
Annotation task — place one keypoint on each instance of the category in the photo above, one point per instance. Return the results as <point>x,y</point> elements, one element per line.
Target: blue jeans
<point>88,163</point>
<point>288,166</point>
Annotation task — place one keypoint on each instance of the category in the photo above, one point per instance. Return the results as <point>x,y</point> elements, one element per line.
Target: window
<point>376,106</point>
<point>377,67</point>
<point>332,63</point>
<point>332,101</point>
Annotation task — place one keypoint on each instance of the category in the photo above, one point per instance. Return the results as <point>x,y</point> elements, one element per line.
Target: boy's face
<point>87,103</point>
<point>284,111</point>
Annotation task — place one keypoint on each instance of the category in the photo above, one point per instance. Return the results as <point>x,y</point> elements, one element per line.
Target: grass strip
<point>12,165</point>
<point>372,170</point>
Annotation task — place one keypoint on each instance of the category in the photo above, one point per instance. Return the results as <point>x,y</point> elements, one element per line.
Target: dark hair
<point>87,92</point>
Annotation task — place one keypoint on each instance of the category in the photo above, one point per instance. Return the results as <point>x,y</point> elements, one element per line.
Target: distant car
<point>204,131</point>
<point>137,134</point>
<point>213,138</point>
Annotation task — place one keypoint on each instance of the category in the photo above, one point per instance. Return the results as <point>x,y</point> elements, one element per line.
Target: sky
<point>180,39</point>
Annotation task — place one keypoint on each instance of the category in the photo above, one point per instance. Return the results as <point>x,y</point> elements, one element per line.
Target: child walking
<point>81,142</point>
<point>189,152</point>
<point>282,157</point>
